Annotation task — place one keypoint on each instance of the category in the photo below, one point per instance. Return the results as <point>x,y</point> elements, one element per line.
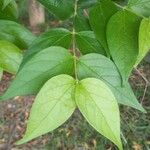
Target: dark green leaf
<point>99,106</point>
<point>10,12</point>
<point>6,2</point>
<point>99,17</point>
<point>52,107</point>
<point>15,33</point>
<point>87,43</point>
<point>43,65</point>
<point>10,57</point>
<point>81,23</point>
<point>144,39</point>
<point>99,66</point>
<point>141,7</point>
<point>54,37</point>
<point>122,37</point>
<point>84,4</point>
<point>63,9</point>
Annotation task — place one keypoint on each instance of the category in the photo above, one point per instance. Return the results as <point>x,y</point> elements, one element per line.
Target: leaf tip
<point>23,140</point>
<point>20,142</point>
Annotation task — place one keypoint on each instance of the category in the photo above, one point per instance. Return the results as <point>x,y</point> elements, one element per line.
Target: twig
<point>143,77</point>
<point>145,90</point>
<point>11,134</point>
<point>147,83</point>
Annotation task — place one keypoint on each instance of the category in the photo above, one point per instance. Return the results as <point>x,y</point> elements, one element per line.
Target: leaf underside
<point>98,105</point>
<point>52,107</point>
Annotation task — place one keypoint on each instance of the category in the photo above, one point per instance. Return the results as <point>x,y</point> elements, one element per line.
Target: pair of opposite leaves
<point>59,53</point>
<point>97,101</point>
<point>58,99</point>
<point>42,65</point>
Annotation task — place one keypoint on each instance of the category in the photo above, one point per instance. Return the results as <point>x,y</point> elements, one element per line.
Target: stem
<point>74,54</point>
<point>147,83</point>
<point>74,40</point>
<point>143,77</point>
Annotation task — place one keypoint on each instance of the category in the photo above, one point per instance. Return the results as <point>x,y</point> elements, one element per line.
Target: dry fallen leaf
<point>136,146</point>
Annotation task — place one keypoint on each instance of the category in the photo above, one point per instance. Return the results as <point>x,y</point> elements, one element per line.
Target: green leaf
<point>15,33</point>
<point>52,107</point>
<point>10,57</point>
<point>99,106</point>
<point>63,9</point>
<point>141,7</point>
<point>81,23</point>
<point>87,43</point>
<point>144,39</point>
<point>99,17</point>
<point>122,37</point>
<point>54,37</point>
<point>99,66</point>
<point>10,12</point>
<point>43,65</point>
<point>6,2</point>
<point>84,4</point>
<point>1,73</point>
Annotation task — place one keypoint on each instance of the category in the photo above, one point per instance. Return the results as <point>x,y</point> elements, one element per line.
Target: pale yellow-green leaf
<point>52,107</point>
<point>99,106</point>
<point>10,56</point>
<point>144,39</point>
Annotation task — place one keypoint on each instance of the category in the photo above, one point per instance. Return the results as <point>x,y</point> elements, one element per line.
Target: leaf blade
<point>123,43</point>
<point>10,12</point>
<point>16,34</point>
<point>99,107</point>
<point>141,7</point>
<point>10,57</point>
<point>53,106</point>
<point>99,66</point>
<point>6,2</point>
<point>87,43</point>
<point>102,15</point>
<point>55,37</point>
<point>81,23</point>
<point>144,39</point>
<point>63,9</point>
<point>44,65</point>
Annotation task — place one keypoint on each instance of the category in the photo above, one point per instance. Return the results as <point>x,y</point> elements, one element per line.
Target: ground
<point>76,133</point>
